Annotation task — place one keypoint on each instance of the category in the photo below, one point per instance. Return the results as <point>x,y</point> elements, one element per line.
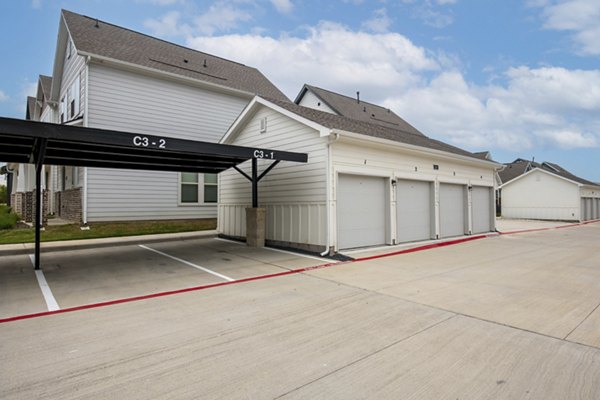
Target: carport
<point>39,143</point>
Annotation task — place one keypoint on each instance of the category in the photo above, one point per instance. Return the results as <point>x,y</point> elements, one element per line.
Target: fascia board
<point>59,59</point>
<point>417,149</point>
<point>539,170</point>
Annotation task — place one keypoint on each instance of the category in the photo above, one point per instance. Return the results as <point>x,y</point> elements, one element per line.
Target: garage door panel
<point>452,210</point>
<point>481,208</point>
<point>361,211</point>
<point>414,210</point>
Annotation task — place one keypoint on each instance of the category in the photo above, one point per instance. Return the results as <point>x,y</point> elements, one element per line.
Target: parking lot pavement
<point>480,320</point>
<point>88,276</point>
<point>19,290</point>
<point>546,282</point>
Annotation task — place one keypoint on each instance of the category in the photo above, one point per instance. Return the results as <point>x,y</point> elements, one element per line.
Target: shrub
<point>8,219</point>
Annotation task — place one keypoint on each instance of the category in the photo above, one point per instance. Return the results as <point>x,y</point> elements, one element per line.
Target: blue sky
<point>517,78</point>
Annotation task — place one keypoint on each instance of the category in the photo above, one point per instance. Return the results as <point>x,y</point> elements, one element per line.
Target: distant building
<point>546,191</point>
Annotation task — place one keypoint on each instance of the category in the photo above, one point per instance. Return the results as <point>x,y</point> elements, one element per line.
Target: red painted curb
<point>284,273</point>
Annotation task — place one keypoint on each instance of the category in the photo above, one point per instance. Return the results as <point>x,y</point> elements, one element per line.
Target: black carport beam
<point>256,178</point>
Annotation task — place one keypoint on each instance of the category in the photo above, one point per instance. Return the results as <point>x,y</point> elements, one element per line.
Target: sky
<point>520,79</point>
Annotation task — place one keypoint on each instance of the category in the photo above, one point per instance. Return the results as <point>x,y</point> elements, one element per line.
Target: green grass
<point>105,229</point>
<point>8,219</point>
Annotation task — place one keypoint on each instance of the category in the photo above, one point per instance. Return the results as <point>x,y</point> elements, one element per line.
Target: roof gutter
<point>417,149</point>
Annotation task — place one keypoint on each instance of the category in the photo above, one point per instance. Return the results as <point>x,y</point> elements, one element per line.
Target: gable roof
<point>46,83</point>
<point>483,155</point>
<point>359,110</point>
<point>98,38</point>
<point>520,166</point>
<point>317,118</point>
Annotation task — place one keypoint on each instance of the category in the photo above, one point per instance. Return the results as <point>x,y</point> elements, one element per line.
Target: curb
<point>47,247</point>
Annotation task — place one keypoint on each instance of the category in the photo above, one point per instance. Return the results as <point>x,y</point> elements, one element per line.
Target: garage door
<point>413,210</point>
<point>361,215</point>
<point>452,210</point>
<point>597,209</point>
<point>481,207</point>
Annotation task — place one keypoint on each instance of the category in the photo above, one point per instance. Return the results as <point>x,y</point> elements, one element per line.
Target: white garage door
<point>452,210</point>
<point>597,209</point>
<point>413,210</point>
<point>481,206</point>
<point>361,216</point>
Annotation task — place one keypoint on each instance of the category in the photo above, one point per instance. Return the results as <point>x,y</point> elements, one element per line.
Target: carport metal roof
<point>41,143</point>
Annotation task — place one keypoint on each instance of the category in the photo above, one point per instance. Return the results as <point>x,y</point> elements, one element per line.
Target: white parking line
<point>231,241</point>
<point>46,292</point>
<point>188,263</point>
<point>323,260</point>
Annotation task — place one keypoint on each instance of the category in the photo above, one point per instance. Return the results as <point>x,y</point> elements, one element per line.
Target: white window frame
<point>200,188</point>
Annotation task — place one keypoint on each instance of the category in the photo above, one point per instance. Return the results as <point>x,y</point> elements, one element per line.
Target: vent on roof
<point>96,25</point>
<point>204,64</point>
<point>358,97</point>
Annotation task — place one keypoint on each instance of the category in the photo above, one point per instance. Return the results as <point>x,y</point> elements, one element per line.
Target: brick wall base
<point>68,204</point>
<point>23,203</point>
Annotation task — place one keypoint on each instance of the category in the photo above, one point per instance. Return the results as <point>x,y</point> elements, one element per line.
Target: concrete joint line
<point>582,321</point>
<point>367,356</point>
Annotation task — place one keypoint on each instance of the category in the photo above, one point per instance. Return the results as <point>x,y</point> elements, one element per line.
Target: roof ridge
<point>154,37</point>
<point>348,97</point>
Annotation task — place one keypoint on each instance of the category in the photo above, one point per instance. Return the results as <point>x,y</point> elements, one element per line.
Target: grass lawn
<point>8,219</point>
<point>105,229</point>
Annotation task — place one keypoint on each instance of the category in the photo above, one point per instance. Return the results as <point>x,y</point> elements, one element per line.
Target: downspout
<point>336,136</point>
<point>84,206</point>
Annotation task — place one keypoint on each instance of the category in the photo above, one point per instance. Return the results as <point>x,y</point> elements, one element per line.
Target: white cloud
<point>378,62</point>
<point>526,107</point>
<point>220,17</point>
<point>36,4</point>
<point>380,22</point>
<point>578,16</point>
<point>168,25</point>
<point>283,6</point>
<point>3,96</point>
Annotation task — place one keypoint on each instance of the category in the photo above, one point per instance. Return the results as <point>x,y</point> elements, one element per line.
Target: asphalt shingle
<point>92,36</point>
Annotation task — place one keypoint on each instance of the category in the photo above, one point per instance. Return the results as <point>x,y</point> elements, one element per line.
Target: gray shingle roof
<point>333,121</point>
<point>520,166</point>
<point>362,111</point>
<point>100,38</point>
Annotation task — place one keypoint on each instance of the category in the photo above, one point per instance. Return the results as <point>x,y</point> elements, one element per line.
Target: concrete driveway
<point>506,317</point>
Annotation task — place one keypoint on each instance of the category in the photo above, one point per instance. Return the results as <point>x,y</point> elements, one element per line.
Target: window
<point>210,188</point>
<point>189,187</point>
<point>194,190</point>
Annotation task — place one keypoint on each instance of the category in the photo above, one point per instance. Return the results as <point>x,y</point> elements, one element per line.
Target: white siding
<point>129,195</point>
<point>293,193</point>
<point>311,101</point>
<point>122,100</point>
<point>539,195</point>
<point>132,102</point>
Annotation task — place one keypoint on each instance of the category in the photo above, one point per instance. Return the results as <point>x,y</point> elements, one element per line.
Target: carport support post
<point>39,152</point>
<point>255,216</point>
